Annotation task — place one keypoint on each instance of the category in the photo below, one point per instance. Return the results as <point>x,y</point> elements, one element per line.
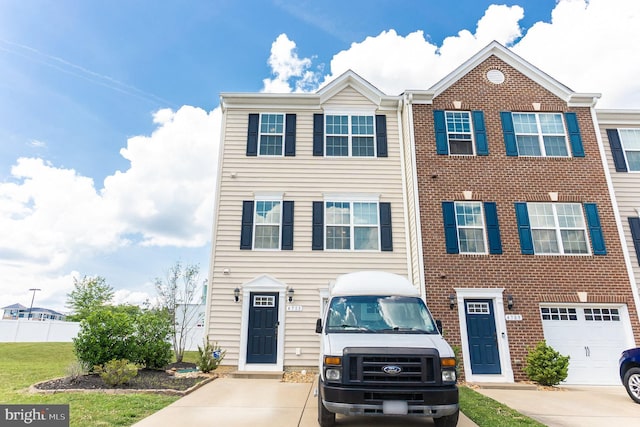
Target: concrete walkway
<point>234,402</point>
<point>572,406</point>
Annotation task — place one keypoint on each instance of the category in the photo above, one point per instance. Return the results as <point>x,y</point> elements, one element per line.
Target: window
<point>558,313</point>
<point>630,140</point>
<point>558,228</point>
<point>267,224</point>
<point>540,134</point>
<point>352,226</point>
<point>459,132</point>
<point>349,136</point>
<point>478,308</point>
<point>602,314</point>
<point>471,235</point>
<point>271,134</point>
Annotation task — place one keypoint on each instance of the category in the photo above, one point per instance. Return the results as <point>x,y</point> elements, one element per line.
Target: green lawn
<point>23,364</point>
<point>486,412</point>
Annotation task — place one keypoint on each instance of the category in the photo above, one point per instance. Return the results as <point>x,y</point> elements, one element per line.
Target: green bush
<point>153,330</point>
<point>209,356</point>
<point>116,372</point>
<point>546,366</point>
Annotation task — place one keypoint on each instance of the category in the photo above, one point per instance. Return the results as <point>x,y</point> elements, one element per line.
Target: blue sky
<point>109,118</point>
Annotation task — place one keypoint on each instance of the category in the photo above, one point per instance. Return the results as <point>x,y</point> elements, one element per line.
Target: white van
<point>382,353</point>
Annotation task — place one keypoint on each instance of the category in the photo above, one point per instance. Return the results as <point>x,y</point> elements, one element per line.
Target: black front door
<point>262,340</point>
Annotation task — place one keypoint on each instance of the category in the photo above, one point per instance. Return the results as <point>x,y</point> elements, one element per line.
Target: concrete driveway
<point>235,402</point>
<point>572,406</point>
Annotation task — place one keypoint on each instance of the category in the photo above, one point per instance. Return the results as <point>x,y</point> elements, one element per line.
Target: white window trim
<point>266,197</point>
<point>557,230</point>
<point>471,131</point>
<point>624,150</point>
<point>350,114</point>
<point>540,135</point>
<point>484,227</point>
<point>351,225</point>
<point>283,134</point>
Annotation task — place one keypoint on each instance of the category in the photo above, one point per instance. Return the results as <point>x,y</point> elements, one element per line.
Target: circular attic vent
<point>495,76</point>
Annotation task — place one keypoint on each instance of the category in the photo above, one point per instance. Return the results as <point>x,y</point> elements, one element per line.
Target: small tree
<point>88,294</point>
<point>546,366</point>
<point>177,295</point>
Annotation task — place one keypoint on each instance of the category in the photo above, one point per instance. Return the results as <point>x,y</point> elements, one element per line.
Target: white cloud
<point>286,65</point>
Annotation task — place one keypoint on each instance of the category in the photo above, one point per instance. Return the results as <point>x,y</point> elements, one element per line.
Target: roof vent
<point>495,76</point>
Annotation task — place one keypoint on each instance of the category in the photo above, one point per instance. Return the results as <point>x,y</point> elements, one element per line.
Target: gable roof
<point>573,99</point>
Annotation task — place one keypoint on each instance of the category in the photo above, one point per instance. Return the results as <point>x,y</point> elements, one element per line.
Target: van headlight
<point>333,368</point>
<point>448,376</point>
<point>332,374</point>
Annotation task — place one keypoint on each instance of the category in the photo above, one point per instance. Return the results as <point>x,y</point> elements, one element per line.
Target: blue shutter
<point>317,225</point>
<point>381,135</point>
<point>595,229</point>
<point>442,146</point>
<point>386,241</point>
<point>616,150</point>
<point>509,134</point>
<point>574,134</point>
<point>246,233</point>
<point>482,147</point>
<point>287,225</point>
<point>318,134</point>
<point>450,228</point>
<point>252,135</point>
<point>290,135</point>
<point>524,229</point>
<point>493,229</point>
<point>634,224</point>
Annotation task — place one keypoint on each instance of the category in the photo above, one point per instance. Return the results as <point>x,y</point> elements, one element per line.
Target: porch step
<point>506,386</point>
<point>257,375</point>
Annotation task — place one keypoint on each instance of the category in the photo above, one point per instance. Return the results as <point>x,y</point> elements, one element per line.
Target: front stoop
<point>256,375</point>
<point>505,386</point>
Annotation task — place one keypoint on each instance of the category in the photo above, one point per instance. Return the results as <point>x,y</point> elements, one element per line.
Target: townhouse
<point>310,186</point>
<point>519,234</point>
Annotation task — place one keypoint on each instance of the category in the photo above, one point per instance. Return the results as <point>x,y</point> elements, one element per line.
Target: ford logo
<point>392,369</point>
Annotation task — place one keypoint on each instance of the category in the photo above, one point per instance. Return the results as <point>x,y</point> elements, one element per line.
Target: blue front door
<point>262,340</point>
<point>481,333</point>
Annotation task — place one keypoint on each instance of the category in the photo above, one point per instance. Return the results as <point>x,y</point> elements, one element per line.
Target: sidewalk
<point>233,402</point>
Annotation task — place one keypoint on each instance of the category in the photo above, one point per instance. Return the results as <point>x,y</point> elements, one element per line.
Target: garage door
<point>594,336</point>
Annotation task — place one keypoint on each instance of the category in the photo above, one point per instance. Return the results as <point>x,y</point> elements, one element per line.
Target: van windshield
<point>379,314</point>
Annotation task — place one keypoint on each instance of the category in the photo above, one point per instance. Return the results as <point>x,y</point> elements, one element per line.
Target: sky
<point>110,118</point>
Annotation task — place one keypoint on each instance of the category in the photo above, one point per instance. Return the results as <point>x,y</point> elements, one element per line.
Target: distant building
<point>19,311</point>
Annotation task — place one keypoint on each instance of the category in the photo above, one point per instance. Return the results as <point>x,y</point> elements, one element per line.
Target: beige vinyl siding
<point>348,98</point>
<point>302,179</point>
<point>626,184</point>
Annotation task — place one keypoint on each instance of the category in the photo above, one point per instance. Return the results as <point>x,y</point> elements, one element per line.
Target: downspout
<point>405,201</point>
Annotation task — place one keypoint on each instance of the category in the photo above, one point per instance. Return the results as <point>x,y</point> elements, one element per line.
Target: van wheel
<point>325,417</point>
<point>448,421</point>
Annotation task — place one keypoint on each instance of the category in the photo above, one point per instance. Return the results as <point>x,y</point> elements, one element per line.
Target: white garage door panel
<point>594,345</point>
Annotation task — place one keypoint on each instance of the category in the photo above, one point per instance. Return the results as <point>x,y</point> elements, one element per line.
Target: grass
<point>24,364</point>
<point>486,412</point>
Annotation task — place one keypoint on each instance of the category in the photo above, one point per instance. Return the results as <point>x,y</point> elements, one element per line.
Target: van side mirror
<point>319,326</point>
<point>439,325</point>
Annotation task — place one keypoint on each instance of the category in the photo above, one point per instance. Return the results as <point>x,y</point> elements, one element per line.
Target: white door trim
<point>494,294</point>
<point>263,283</point>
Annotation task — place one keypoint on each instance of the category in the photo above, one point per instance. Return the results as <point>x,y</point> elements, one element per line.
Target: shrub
<point>116,372</point>
<point>153,329</point>
<point>209,356</point>
<point>546,366</point>
<point>75,370</point>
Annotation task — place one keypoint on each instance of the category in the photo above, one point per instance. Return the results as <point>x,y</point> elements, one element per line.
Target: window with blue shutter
<point>511,147</point>
<point>524,229</point>
<point>467,232</point>
<point>442,145</point>
<point>287,225</point>
<point>252,135</point>
<point>246,232</point>
<point>616,150</point>
<point>536,134</point>
<point>450,229</point>
<point>493,229</point>
<point>575,139</point>
<point>482,145</point>
<point>634,225</point>
<point>595,229</point>
<point>386,238</point>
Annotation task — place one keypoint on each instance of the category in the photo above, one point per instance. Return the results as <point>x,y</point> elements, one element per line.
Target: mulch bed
<point>147,380</point>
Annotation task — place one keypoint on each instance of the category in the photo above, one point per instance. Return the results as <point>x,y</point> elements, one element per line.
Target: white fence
<point>35,331</point>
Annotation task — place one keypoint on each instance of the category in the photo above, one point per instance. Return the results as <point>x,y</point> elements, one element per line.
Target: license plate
<point>395,407</point>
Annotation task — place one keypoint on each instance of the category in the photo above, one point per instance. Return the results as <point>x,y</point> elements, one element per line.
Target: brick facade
<point>531,279</point>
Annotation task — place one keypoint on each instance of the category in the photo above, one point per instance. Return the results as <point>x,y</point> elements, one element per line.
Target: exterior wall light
<point>510,302</point>
<point>290,292</point>
<point>452,301</point>
<point>236,294</point>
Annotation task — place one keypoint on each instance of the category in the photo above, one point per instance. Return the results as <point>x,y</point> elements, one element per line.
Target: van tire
<point>447,421</point>
<point>325,417</point>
